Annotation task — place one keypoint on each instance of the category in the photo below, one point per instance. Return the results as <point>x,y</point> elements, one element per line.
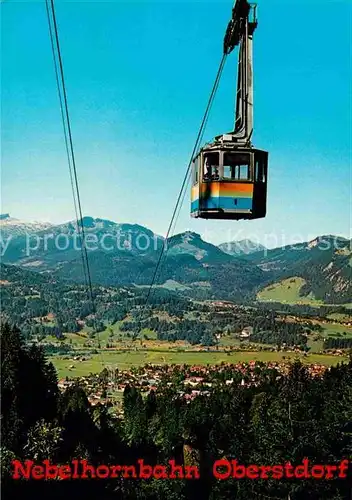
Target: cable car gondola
<point>229,176</point>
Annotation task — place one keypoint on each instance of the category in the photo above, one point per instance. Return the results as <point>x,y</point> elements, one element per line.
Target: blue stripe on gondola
<point>229,203</point>
<point>195,206</point>
<point>224,202</point>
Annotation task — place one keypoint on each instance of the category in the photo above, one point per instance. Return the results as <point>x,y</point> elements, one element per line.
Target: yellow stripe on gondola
<point>195,193</point>
<point>236,189</point>
<point>218,189</point>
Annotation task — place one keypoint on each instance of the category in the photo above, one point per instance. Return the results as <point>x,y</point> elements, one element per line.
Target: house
<point>246,332</point>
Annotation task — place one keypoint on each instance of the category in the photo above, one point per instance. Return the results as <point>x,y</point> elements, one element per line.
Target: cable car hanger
<point>229,178</point>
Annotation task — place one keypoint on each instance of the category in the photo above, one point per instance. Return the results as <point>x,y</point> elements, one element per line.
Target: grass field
<point>125,360</point>
<point>168,285</point>
<point>287,292</point>
<point>340,317</point>
<point>335,329</point>
<point>316,343</point>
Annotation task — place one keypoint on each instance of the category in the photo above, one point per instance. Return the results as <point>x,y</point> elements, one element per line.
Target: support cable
<point>80,221</point>
<point>61,87</point>
<point>181,195</point>
<point>66,139</point>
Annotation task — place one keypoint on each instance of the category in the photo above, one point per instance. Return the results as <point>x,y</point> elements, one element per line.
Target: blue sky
<point>138,77</point>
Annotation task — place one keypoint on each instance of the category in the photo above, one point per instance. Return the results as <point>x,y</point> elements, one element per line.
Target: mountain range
<point>242,247</point>
<point>10,226</point>
<point>325,263</point>
<point>128,253</point>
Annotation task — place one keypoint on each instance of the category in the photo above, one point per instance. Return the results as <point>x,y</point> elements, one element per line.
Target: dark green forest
<point>340,343</point>
<point>266,328</point>
<point>31,297</point>
<point>282,418</point>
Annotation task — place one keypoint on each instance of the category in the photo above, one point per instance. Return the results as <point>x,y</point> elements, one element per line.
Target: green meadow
<point>287,292</point>
<point>124,360</point>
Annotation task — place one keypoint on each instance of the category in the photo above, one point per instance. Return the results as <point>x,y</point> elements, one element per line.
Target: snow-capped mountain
<point>9,226</point>
<point>242,247</point>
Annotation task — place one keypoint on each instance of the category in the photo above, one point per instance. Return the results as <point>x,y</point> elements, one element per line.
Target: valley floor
<point>85,356</point>
<point>72,365</point>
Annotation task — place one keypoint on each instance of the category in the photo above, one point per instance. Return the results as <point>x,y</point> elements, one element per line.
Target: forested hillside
<point>43,305</point>
<point>325,263</point>
<point>282,418</point>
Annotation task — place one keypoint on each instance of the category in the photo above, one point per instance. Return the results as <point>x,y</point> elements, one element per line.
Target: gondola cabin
<point>229,183</point>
